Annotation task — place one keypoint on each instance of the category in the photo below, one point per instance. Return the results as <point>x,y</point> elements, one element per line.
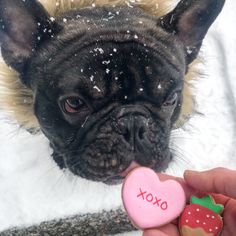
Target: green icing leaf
<point>208,202</point>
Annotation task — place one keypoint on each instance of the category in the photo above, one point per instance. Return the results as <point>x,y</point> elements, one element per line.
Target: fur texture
<point>17,100</point>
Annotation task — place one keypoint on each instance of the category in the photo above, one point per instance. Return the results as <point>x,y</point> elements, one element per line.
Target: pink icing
<point>150,202</point>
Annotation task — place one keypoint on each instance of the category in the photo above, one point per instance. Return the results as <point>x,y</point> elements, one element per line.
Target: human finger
<point>219,180</point>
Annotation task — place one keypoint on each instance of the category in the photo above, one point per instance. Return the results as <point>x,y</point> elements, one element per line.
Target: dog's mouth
<point>118,178</point>
<point>110,164</point>
<point>132,166</point>
<point>156,166</point>
<point>111,175</point>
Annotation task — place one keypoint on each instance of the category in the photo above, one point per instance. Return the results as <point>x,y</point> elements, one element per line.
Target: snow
<point>33,188</point>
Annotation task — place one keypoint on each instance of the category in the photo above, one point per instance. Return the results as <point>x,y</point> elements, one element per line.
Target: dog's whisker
<point>178,152</point>
<point>59,180</point>
<point>177,149</point>
<point>175,138</point>
<point>180,159</point>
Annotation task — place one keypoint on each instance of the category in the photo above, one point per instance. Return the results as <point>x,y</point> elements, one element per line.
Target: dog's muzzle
<point>132,123</point>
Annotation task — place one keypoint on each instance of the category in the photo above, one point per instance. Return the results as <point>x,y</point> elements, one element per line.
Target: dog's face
<point>110,95</point>
<point>107,82</point>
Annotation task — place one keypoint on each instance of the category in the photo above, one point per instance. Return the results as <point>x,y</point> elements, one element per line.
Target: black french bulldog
<point>107,90</point>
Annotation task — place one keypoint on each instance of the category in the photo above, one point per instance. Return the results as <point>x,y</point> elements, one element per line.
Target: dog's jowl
<point>107,81</point>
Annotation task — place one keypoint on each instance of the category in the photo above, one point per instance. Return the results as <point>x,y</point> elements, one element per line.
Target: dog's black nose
<point>133,128</point>
<point>132,122</point>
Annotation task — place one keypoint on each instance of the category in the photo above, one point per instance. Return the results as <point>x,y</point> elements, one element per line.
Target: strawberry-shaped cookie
<point>201,218</point>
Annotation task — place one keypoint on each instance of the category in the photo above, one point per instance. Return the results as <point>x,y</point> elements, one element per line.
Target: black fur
<point>123,67</point>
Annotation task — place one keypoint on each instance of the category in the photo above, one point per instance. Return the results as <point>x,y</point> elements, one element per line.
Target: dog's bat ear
<point>190,21</point>
<point>23,25</point>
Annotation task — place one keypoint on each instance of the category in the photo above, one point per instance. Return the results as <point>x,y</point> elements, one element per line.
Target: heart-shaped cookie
<point>149,202</point>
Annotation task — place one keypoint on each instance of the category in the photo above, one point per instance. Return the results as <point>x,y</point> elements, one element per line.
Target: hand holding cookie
<point>220,183</point>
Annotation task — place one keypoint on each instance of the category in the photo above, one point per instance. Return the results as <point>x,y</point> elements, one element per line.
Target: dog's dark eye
<point>73,105</point>
<point>171,100</point>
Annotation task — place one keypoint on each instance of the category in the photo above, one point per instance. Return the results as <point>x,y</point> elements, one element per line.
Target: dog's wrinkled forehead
<point>27,31</point>
<point>108,40</point>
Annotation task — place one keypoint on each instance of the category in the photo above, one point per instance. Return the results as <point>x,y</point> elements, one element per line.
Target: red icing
<point>150,198</point>
<point>196,216</point>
